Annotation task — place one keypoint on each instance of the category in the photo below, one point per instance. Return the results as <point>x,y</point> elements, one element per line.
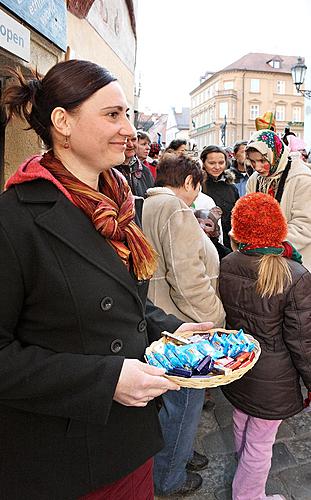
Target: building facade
<point>225,104</point>
<point>177,126</point>
<point>39,33</point>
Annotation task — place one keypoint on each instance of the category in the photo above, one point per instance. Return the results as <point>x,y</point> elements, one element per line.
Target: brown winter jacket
<point>281,324</point>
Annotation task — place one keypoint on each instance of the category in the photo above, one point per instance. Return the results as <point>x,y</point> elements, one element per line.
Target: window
<point>280,87</point>
<point>254,111</point>
<point>223,109</point>
<point>228,85</point>
<point>296,114</point>
<point>274,63</point>
<point>280,113</point>
<point>255,85</point>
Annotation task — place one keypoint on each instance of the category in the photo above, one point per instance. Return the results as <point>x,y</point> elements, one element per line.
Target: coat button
<point>106,303</point>
<point>116,346</point>
<point>142,325</point>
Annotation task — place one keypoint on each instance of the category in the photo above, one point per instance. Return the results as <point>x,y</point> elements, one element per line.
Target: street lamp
<point>298,75</point>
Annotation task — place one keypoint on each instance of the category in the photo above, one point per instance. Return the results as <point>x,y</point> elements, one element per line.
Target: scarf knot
<point>111,221</point>
<point>111,210</point>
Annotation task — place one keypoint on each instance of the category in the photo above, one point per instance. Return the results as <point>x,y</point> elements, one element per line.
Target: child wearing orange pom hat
<point>266,291</point>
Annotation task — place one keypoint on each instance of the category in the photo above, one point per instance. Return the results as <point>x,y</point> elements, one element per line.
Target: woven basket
<point>197,382</point>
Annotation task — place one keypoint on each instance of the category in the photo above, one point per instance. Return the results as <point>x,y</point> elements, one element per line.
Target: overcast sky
<point>179,40</point>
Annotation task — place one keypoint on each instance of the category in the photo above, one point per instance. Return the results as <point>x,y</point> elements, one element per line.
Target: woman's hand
<point>139,383</point>
<point>195,327</point>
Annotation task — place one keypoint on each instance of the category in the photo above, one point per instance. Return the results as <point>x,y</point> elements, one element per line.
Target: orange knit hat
<point>257,219</point>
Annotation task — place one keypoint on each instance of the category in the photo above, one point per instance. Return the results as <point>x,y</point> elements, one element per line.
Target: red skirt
<point>138,485</point>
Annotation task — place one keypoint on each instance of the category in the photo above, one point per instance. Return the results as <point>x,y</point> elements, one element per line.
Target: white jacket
<point>296,205</point>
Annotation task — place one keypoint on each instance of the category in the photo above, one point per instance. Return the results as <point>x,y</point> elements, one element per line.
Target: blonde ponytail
<point>274,275</point>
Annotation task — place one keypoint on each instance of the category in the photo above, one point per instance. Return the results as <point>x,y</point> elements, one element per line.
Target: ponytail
<point>20,99</point>
<point>274,275</point>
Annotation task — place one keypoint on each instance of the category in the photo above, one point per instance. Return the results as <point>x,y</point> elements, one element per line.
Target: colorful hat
<point>268,144</point>
<point>257,220</point>
<point>267,121</point>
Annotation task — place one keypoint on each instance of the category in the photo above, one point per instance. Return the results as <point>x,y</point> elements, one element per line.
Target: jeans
<point>179,418</point>
<point>254,438</point>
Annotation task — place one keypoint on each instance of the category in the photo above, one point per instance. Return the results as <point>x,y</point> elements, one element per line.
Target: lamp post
<point>298,74</point>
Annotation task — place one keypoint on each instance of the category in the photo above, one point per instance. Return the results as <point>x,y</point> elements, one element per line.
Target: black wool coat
<point>225,195</point>
<point>271,389</point>
<point>70,312</point>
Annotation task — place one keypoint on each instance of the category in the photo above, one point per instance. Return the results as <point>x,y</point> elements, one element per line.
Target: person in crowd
<point>287,133</point>
<point>297,145</point>
<point>219,185</point>
<point>266,291</point>
<point>230,155</point>
<point>136,173</point>
<point>143,146</point>
<point>77,409</point>
<point>288,180</point>
<point>238,166</point>
<point>154,157</point>
<point>185,283</point>
<point>178,147</point>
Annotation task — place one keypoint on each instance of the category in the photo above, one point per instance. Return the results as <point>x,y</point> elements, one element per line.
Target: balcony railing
<point>296,124</point>
<point>226,93</point>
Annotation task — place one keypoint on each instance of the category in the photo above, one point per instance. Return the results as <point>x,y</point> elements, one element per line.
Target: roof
<point>260,62</point>
<point>182,118</point>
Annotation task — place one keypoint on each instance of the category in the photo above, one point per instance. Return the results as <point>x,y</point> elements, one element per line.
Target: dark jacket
<point>281,324</point>
<point>138,176</point>
<point>70,313</point>
<point>241,178</point>
<point>225,194</point>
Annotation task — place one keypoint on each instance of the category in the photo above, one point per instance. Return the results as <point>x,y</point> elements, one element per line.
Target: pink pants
<point>254,438</point>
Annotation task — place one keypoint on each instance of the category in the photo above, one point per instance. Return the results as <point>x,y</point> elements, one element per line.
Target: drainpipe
<point>243,89</point>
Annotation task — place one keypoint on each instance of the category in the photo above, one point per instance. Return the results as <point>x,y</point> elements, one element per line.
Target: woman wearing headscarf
<point>288,180</point>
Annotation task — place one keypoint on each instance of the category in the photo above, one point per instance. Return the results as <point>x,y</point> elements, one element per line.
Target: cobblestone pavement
<point>290,474</point>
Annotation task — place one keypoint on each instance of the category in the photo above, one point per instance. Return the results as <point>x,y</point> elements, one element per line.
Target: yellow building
<point>40,33</point>
<point>239,93</point>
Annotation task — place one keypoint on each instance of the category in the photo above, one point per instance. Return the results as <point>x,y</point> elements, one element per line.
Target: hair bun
<point>34,86</point>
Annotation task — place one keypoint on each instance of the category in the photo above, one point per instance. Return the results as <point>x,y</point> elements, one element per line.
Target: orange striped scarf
<point>111,210</point>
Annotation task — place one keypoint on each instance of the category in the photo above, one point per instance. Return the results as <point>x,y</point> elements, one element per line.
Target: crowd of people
<point>106,241</point>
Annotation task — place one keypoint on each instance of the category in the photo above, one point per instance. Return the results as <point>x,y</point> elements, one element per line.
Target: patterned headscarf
<point>269,145</point>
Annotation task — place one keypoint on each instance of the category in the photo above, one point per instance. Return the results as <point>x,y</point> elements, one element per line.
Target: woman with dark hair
<point>219,185</point>
<point>77,409</point>
<point>184,284</point>
<point>177,146</point>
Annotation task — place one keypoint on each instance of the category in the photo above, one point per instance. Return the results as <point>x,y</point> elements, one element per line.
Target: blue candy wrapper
<point>204,367</point>
<point>164,362</point>
<point>170,353</point>
<point>180,372</point>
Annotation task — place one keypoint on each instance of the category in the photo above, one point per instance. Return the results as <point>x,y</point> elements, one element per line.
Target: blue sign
<point>48,17</point>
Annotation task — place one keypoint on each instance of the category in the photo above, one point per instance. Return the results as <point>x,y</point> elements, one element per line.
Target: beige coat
<point>296,205</point>
<point>185,282</point>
